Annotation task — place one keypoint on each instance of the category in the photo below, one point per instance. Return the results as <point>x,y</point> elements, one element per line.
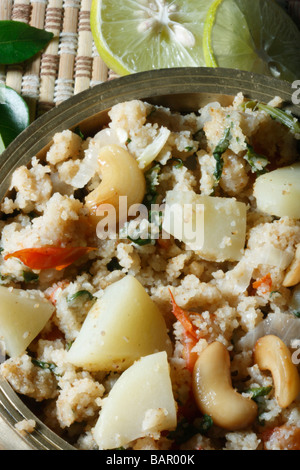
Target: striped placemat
<point>70,63</point>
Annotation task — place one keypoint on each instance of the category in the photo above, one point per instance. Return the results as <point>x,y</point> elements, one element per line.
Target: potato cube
<point>141,403</point>
<point>23,314</point>
<point>217,224</point>
<point>123,325</point>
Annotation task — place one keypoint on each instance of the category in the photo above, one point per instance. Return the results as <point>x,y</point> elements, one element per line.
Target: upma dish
<point>150,280</point>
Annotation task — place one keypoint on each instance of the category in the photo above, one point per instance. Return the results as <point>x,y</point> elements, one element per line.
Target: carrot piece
<point>182,316</point>
<point>190,336</point>
<point>49,257</point>
<point>264,284</point>
<point>189,356</point>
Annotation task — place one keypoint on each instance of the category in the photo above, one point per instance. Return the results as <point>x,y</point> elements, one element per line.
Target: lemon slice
<point>257,36</point>
<point>138,35</point>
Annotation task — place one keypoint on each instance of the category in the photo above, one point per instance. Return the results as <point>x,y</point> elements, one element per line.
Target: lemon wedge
<point>138,35</point>
<point>257,36</point>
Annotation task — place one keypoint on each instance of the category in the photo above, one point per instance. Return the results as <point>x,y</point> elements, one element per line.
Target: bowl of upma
<point>150,267</point>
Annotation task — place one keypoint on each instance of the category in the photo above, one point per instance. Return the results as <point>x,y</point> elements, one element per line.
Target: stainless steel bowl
<point>183,89</point>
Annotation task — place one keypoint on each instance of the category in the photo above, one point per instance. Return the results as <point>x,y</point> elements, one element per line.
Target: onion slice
<point>284,325</point>
<point>89,164</point>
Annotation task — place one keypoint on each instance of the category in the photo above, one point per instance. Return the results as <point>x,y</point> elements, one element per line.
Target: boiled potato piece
<point>214,227</point>
<point>23,314</point>
<point>141,403</point>
<point>278,192</point>
<point>123,325</point>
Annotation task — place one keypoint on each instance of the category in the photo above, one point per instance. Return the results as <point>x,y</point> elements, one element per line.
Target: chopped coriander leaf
<point>256,161</point>
<point>80,293</point>
<point>218,153</point>
<point>259,392</point>
<point>188,148</point>
<point>1,249</point>
<point>183,432</point>
<point>205,424</point>
<point>141,241</point>
<point>114,265</point>
<point>297,314</point>
<point>30,276</point>
<point>44,365</point>
<point>151,177</point>
<point>179,163</point>
<point>128,140</point>
<point>78,132</point>
<point>69,344</point>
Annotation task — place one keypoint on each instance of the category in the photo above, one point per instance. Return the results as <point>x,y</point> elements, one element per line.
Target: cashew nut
<point>121,176</point>
<point>270,353</point>
<point>292,277</point>
<point>214,393</point>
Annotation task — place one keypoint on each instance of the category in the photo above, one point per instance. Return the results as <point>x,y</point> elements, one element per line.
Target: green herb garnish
<point>44,365</point>
<point>277,114</point>
<point>185,430</point>
<point>256,161</point>
<point>80,294</point>
<point>30,276</point>
<point>78,132</point>
<point>69,344</point>
<point>151,177</point>
<point>296,314</point>
<point>141,241</point>
<point>179,162</point>
<point>205,424</point>
<point>114,265</point>
<point>258,392</point>
<point>218,153</point>
<point>281,116</point>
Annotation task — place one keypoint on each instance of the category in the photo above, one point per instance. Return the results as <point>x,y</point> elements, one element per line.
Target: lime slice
<point>257,36</point>
<point>137,35</point>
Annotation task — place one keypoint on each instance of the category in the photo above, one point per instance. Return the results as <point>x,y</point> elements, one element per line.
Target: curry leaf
<point>218,153</point>
<point>14,115</point>
<point>281,116</point>
<point>2,146</point>
<point>20,41</point>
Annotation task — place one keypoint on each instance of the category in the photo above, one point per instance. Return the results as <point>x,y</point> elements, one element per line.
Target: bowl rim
<point>142,85</point>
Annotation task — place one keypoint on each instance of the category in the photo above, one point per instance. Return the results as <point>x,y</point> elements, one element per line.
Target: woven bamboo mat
<point>70,63</point>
